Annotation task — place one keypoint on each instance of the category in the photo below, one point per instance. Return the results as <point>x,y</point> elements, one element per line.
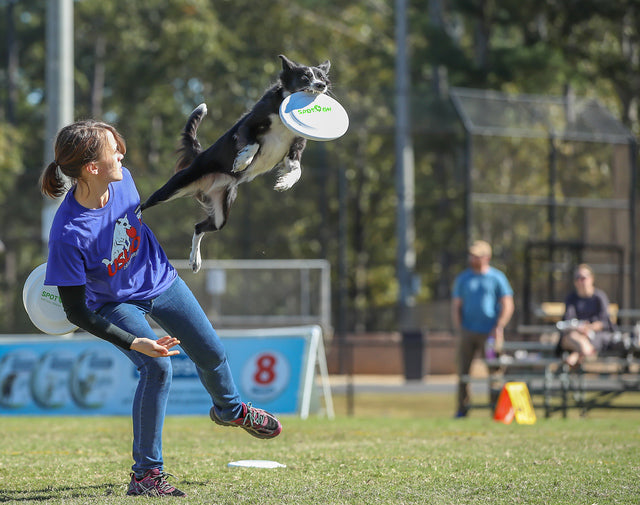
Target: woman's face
<point>110,162</point>
<point>583,281</point>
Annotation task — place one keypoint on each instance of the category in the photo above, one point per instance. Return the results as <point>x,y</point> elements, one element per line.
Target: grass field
<point>396,449</point>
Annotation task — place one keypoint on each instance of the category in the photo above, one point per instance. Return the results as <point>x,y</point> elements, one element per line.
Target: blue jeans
<point>178,312</point>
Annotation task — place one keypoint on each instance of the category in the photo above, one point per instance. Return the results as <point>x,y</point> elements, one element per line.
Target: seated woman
<point>589,307</point>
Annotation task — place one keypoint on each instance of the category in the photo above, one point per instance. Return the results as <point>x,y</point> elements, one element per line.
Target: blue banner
<point>84,375</point>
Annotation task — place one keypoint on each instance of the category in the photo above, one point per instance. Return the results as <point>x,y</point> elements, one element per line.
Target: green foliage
<point>145,65</point>
<point>10,157</point>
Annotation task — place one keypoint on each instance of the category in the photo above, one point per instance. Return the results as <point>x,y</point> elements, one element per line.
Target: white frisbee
<point>43,304</point>
<point>255,463</point>
<point>314,116</point>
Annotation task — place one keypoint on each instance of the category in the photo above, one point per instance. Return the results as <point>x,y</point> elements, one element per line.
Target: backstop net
<point>262,293</point>
<point>551,182</point>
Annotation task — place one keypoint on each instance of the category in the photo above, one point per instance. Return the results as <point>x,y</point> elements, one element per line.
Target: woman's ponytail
<point>52,182</point>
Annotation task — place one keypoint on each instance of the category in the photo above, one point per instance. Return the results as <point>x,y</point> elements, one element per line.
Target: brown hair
<point>76,145</point>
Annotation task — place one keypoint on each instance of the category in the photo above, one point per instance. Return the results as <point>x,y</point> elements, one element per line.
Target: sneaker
<point>256,422</point>
<point>153,483</point>
<point>460,414</point>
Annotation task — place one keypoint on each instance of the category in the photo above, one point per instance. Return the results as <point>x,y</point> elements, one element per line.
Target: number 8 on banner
<point>265,375</point>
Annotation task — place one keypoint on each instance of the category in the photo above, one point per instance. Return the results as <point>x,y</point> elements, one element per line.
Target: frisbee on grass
<point>314,116</point>
<point>256,463</point>
<point>43,304</point>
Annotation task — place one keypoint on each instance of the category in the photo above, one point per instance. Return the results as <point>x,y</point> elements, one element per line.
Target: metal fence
<point>262,293</point>
<point>554,169</point>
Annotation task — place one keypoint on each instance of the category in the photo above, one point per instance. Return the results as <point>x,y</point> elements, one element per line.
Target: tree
<point>145,65</point>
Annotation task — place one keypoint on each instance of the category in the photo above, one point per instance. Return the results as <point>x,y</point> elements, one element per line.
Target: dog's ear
<point>287,64</point>
<point>325,66</point>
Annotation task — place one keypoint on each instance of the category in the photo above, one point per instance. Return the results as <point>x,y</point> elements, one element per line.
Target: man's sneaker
<point>256,422</point>
<point>153,483</point>
<point>460,414</point>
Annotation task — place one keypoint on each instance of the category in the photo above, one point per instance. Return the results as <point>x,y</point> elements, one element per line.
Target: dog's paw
<point>245,157</point>
<point>288,179</point>
<point>195,266</point>
<point>195,261</point>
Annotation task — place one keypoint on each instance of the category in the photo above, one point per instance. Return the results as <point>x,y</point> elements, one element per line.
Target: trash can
<point>412,352</point>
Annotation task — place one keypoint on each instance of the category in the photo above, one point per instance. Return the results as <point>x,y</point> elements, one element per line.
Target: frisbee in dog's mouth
<point>314,116</point>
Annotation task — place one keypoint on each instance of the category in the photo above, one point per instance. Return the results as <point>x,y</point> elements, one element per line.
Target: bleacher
<point>530,356</point>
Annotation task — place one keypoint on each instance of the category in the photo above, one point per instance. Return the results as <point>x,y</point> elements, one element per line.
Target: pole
<point>406,256</point>
<point>551,212</point>
<point>468,187</point>
<point>345,364</point>
<point>59,89</point>
<point>633,253</point>
<point>342,267</point>
<point>12,65</point>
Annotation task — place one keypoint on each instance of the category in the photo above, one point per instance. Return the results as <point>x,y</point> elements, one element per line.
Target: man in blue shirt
<point>481,307</point>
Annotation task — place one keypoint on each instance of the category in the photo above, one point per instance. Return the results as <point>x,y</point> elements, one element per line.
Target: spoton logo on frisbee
<point>49,297</point>
<point>317,108</point>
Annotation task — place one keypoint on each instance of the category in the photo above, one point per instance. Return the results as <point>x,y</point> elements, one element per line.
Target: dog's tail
<point>189,145</point>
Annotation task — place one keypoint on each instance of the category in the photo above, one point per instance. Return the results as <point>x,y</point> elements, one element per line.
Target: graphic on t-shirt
<point>124,246</point>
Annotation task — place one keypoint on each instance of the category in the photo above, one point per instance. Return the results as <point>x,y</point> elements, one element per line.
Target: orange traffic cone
<point>514,402</point>
<point>504,409</point>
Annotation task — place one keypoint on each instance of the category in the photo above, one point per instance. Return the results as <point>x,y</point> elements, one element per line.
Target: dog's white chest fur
<point>274,145</point>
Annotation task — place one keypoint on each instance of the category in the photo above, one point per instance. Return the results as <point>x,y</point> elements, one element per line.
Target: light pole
<point>406,256</point>
<point>58,91</point>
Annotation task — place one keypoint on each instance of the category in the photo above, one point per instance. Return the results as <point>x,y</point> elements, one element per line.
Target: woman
<point>589,307</point>
<point>111,272</point>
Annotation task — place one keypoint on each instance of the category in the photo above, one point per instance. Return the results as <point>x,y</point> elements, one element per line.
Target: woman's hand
<point>584,327</point>
<point>156,348</point>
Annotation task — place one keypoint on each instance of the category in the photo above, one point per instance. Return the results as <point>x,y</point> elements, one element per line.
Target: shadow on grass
<point>70,492</point>
<point>55,493</point>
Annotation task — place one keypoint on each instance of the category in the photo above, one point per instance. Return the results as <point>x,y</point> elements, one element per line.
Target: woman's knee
<point>571,341</point>
<point>158,369</point>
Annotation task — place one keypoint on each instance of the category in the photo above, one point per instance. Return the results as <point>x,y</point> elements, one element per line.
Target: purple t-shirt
<point>592,308</point>
<point>110,250</point>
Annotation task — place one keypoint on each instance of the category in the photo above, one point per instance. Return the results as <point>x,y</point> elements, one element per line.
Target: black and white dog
<point>257,143</point>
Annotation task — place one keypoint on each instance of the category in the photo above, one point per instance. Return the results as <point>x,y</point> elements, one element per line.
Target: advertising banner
<point>83,375</point>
